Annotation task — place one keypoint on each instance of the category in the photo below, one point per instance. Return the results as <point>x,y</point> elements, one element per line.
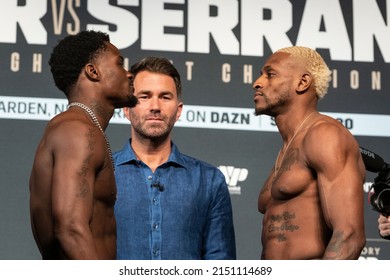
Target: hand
<point>384,226</point>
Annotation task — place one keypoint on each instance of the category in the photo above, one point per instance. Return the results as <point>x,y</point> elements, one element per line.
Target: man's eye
<point>270,75</point>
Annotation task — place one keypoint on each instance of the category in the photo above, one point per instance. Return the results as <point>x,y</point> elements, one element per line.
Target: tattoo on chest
<point>267,187</point>
<point>287,162</point>
<point>282,223</point>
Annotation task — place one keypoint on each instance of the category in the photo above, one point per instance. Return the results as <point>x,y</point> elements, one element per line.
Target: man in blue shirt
<point>169,205</point>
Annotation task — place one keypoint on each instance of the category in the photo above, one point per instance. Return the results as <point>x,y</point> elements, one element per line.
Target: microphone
<point>159,186</point>
<point>372,161</point>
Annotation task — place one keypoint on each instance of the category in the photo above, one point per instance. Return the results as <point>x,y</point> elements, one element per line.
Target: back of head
<point>158,65</point>
<point>72,53</point>
<point>315,64</point>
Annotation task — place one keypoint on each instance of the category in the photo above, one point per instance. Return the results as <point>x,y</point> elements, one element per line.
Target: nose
<point>154,103</point>
<point>258,83</point>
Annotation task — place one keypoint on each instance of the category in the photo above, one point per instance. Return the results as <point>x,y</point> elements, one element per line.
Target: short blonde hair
<point>315,65</point>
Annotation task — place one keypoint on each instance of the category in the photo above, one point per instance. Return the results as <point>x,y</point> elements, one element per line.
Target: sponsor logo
<point>233,176</point>
<point>370,253</point>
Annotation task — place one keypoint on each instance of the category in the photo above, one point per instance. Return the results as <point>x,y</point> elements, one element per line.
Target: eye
<point>142,96</point>
<point>166,97</point>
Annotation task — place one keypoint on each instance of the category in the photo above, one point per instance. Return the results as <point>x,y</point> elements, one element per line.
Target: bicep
<point>340,176</point>
<point>75,160</point>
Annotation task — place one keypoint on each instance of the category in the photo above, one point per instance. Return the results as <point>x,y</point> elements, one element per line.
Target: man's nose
<point>258,84</point>
<point>154,103</point>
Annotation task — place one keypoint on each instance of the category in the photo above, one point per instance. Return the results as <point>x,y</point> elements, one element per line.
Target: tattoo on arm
<point>84,185</point>
<point>335,246</point>
<point>91,135</point>
<point>84,189</point>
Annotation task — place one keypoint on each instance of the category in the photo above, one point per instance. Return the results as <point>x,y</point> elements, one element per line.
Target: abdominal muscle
<point>294,229</point>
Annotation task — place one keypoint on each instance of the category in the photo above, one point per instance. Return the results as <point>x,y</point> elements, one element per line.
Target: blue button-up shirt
<point>181,211</point>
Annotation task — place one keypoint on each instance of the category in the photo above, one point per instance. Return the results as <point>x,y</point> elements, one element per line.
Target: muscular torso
<point>313,203</point>
<point>99,196</point>
<point>293,224</point>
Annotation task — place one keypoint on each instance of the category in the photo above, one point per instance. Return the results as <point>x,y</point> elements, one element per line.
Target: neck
<point>96,122</point>
<point>289,125</point>
<point>286,145</point>
<point>103,114</point>
<point>152,153</point>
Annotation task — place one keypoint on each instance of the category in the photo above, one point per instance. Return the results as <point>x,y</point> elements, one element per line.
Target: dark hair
<point>158,65</point>
<point>72,53</point>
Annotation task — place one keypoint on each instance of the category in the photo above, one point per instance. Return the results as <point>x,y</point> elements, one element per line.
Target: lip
<point>256,96</point>
<point>154,119</point>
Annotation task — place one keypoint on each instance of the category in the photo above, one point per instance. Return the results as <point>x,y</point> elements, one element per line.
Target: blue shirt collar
<point>127,155</point>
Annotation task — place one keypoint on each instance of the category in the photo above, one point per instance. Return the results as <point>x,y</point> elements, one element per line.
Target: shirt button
<point>155,252</point>
<point>154,200</point>
<point>155,226</point>
<point>150,177</point>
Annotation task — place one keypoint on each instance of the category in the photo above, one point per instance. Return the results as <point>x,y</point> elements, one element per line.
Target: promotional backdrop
<point>218,46</point>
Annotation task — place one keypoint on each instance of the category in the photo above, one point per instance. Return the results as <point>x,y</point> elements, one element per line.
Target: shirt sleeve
<point>219,236</point>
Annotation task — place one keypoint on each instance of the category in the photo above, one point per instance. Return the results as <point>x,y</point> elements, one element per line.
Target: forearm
<point>77,244</point>
<point>344,246</point>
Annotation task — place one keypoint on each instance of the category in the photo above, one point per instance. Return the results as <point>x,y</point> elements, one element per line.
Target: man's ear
<point>126,111</point>
<point>91,72</point>
<point>304,83</point>
<point>179,110</point>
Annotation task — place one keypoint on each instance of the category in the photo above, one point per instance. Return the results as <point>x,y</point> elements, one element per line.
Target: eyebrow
<point>146,91</point>
<point>161,93</point>
<point>267,68</point>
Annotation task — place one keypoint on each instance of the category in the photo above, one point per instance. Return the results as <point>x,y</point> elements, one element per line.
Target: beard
<point>133,101</point>
<point>270,107</point>
<point>154,131</point>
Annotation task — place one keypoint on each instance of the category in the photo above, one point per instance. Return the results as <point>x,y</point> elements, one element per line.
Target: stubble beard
<point>154,132</point>
<point>270,108</point>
